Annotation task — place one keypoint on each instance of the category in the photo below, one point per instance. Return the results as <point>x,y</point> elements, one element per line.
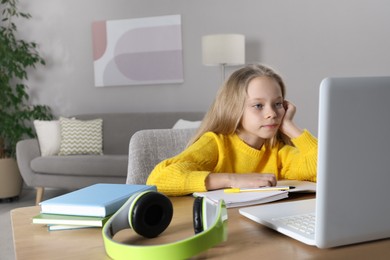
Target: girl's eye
<point>279,105</point>
<point>258,106</point>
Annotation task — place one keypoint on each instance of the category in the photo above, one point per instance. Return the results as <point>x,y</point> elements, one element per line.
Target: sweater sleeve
<point>186,173</point>
<point>300,162</point>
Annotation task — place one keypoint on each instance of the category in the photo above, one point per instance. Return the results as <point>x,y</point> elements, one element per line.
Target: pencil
<point>276,188</point>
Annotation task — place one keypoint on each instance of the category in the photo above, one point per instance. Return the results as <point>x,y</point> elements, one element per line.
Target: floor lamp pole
<point>223,72</point>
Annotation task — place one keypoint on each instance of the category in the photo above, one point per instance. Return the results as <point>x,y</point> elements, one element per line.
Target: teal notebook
<point>99,200</point>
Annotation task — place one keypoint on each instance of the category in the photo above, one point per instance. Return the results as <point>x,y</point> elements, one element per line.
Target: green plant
<point>16,57</point>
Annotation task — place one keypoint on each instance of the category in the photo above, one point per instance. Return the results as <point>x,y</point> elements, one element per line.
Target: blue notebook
<point>99,200</point>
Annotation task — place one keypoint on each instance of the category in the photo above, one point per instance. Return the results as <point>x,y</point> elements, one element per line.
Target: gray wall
<point>305,40</point>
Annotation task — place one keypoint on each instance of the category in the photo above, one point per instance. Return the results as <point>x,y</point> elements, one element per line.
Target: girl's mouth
<point>271,126</point>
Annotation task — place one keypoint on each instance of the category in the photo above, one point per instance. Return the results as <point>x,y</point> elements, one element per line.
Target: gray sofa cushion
<point>82,165</point>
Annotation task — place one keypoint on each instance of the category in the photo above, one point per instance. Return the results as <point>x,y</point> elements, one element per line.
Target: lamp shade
<point>227,49</point>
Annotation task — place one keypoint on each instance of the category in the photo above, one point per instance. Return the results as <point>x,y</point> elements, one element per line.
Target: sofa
<point>77,171</point>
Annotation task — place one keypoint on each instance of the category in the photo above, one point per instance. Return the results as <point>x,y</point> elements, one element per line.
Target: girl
<point>247,140</point>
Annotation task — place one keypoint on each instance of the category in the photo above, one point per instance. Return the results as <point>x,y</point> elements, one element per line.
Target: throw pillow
<point>81,137</point>
<point>49,136</point>
<point>181,123</point>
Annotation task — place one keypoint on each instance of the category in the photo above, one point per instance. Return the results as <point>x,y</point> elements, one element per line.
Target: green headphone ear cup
<point>151,214</point>
<point>197,215</point>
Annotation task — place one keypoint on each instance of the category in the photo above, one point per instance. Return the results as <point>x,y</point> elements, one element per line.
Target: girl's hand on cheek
<point>290,110</point>
<point>287,126</point>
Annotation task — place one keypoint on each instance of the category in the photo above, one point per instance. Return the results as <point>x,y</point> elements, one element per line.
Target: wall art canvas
<point>138,51</point>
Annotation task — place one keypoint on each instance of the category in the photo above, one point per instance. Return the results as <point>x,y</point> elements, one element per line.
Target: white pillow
<point>49,136</point>
<point>181,123</point>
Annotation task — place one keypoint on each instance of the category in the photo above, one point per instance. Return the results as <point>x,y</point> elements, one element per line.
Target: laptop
<point>353,178</point>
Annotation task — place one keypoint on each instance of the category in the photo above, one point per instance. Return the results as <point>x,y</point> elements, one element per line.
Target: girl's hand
<point>252,180</point>
<point>235,180</point>
<point>290,109</point>
<point>288,126</point>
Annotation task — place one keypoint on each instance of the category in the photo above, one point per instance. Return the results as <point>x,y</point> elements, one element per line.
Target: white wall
<point>305,40</point>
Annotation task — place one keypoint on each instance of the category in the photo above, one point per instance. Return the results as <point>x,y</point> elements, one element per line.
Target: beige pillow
<point>181,123</point>
<point>81,137</point>
<point>49,136</point>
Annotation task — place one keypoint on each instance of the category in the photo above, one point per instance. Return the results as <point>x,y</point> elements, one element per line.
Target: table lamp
<point>223,49</point>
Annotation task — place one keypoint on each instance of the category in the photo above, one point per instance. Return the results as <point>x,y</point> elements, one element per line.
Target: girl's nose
<point>270,113</point>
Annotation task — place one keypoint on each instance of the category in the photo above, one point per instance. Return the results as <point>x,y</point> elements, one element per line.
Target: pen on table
<point>276,188</point>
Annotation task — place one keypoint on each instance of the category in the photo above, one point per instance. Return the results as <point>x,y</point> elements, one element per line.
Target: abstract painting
<point>138,51</point>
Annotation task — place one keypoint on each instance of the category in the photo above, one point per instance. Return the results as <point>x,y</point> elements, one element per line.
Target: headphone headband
<point>214,233</point>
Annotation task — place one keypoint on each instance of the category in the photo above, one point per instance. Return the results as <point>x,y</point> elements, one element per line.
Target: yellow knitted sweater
<point>186,172</point>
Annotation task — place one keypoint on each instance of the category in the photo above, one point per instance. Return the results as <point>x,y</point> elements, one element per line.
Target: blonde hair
<point>225,113</point>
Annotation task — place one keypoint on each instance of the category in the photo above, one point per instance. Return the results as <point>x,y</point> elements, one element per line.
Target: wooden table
<point>246,240</point>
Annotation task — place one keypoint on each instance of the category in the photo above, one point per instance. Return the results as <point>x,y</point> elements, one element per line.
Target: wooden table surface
<point>246,239</point>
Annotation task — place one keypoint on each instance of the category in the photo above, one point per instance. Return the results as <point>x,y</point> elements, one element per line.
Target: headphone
<point>149,213</point>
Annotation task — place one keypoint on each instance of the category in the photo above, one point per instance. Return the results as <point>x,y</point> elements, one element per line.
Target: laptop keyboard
<point>303,223</point>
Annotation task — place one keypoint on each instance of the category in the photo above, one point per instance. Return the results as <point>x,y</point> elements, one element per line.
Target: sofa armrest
<point>26,151</point>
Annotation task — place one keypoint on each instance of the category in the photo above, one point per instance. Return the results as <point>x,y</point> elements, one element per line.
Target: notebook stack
<point>88,207</point>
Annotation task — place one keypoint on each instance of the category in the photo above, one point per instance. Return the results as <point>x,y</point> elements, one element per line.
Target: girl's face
<point>263,112</point>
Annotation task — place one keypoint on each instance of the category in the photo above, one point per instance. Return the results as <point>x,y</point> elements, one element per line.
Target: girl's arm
<point>299,162</point>
<point>194,171</point>
<point>186,172</point>
<point>244,180</point>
